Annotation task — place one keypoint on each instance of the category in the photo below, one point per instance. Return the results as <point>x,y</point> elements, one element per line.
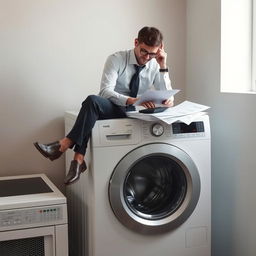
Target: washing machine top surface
<point>28,191</point>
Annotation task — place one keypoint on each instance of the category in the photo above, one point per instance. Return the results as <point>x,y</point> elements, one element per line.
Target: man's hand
<point>131,101</point>
<point>148,104</point>
<point>168,102</point>
<point>161,56</point>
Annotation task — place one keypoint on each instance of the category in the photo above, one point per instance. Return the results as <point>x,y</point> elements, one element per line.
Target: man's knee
<point>91,99</point>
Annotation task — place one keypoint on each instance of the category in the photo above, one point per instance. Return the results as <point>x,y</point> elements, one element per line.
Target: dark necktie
<point>135,81</point>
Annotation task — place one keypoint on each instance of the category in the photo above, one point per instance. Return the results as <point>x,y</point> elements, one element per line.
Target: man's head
<point>150,36</point>
<point>147,44</point>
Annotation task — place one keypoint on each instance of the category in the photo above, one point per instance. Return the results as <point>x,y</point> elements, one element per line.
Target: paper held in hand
<point>156,97</point>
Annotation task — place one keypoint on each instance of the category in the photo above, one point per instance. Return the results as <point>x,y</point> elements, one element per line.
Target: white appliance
<point>147,190</point>
<point>33,217</point>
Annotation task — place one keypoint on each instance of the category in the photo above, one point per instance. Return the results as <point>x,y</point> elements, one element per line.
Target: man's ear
<point>136,42</point>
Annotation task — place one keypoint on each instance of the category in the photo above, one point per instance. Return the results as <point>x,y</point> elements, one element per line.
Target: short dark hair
<point>150,36</point>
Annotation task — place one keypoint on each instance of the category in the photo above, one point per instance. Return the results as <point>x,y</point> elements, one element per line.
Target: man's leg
<point>93,108</point>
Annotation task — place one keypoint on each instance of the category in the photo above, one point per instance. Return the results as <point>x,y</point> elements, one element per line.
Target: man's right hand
<point>131,101</point>
<point>148,104</point>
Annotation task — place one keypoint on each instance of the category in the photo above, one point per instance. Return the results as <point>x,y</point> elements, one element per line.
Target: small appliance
<point>33,217</point>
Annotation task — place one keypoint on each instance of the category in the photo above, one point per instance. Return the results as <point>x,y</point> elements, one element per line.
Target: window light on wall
<point>238,56</point>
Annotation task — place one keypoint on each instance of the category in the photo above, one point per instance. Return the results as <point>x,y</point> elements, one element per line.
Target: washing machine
<point>147,190</point>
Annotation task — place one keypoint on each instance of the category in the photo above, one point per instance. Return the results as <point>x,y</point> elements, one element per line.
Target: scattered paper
<point>184,108</point>
<point>185,112</point>
<point>155,96</point>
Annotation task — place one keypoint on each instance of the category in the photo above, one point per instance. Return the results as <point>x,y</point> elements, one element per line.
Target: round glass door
<point>154,188</point>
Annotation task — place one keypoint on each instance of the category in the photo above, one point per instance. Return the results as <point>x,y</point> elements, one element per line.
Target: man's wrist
<point>131,101</point>
<point>163,66</point>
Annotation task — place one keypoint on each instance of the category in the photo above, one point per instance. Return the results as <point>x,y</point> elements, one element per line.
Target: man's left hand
<point>168,102</point>
<point>161,56</point>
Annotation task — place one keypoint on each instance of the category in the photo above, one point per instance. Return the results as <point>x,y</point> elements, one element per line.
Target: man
<point>126,75</point>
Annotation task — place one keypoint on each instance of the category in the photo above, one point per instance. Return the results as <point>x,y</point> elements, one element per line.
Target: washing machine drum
<point>154,188</point>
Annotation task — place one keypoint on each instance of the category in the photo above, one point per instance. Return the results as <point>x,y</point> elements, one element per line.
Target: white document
<point>155,96</point>
<point>185,112</point>
<point>184,108</point>
<point>187,119</point>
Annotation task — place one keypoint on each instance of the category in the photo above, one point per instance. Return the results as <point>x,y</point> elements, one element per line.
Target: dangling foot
<point>74,171</point>
<point>55,149</point>
<point>51,150</point>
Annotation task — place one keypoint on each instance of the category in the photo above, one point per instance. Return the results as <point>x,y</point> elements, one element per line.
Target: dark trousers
<point>93,108</point>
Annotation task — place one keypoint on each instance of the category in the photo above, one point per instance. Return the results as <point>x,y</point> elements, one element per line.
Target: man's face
<point>145,53</point>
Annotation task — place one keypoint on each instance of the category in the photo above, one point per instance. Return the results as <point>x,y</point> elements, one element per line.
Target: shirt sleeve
<point>109,79</point>
<point>162,81</point>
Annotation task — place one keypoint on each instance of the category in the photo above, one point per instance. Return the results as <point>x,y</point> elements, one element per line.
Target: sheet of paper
<point>156,96</point>
<point>184,108</point>
<point>185,112</point>
<point>141,116</point>
<point>187,119</point>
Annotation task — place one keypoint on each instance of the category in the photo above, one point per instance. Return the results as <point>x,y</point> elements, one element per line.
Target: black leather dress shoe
<point>74,171</point>
<point>51,150</point>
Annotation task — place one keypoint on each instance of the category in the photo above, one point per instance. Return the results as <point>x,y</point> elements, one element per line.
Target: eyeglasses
<point>144,52</point>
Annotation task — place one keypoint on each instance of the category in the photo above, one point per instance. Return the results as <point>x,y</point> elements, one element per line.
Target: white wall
<point>51,57</point>
<point>233,123</point>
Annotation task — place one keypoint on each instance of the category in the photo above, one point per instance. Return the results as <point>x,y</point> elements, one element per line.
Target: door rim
<point>116,189</point>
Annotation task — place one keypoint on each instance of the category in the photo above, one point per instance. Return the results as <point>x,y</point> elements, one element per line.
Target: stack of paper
<point>185,112</point>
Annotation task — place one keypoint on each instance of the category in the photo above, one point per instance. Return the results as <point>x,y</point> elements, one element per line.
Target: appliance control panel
<point>29,217</point>
<point>194,129</point>
<point>175,130</point>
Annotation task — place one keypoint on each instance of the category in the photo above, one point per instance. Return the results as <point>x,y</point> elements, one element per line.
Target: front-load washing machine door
<point>154,188</point>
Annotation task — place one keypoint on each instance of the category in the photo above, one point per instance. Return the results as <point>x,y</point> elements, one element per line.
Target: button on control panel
<point>155,130</point>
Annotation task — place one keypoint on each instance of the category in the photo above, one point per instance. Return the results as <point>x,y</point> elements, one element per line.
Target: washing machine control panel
<point>194,127</point>
<point>175,130</point>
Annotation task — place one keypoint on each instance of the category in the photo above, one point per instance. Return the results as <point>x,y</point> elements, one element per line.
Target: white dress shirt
<point>118,72</point>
